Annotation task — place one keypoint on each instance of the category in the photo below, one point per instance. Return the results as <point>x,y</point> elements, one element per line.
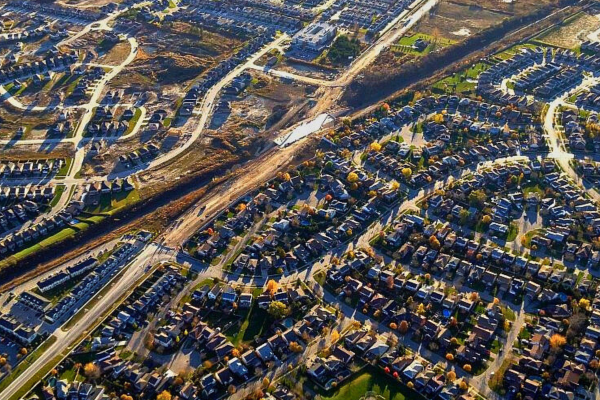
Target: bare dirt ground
<point>310,70</point>
<point>268,105</point>
<point>115,55</point>
<point>46,93</point>
<point>254,119</point>
<point>458,20</point>
<point>573,33</point>
<point>174,55</point>
<point>86,4</point>
<point>515,7</point>
<point>25,152</point>
<point>35,125</point>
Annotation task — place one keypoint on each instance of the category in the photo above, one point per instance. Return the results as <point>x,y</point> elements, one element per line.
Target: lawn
<point>57,195</point>
<point>462,82</point>
<point>524,334</point>
<point>513,231</point>
<point>64,170</point>
<point>495,346</point>
<point>111,203</point>
<point>372,380</point>
<point>509,314</point>
<point>256,323</point>
<point>95,219</point>
<point>405,43</point>
<point>532,188</point>
<point>64,234</point>
<point>133,121</point>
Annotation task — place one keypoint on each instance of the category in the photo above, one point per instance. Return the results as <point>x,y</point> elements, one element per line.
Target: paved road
<point>557,146</point>
<point>151,254</point>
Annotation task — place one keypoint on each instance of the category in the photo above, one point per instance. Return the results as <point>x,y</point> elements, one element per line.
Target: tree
<point>477,198</point>
<point>393,326</point>
<point>23,351</point>
<point>295,347</point>
<point>557,341</point>
<point>272,286</point>
<point>266,382</point>
<point>403,327</point>
<point>410,385</point>
<point>450,357</point>
<point>451,376</point>
<point>464,216</point>
<point>335,335</point>
<point>352,177</point>
<point>467,367</point>
<point>463,385</point>
<point>91,370</point>
<point>406,172</point>
<point>474,296</point>
<point>149,342</point>
<point>343,49</point>
<point>434,242</point>
<point>584,303</point>
<point>375,147</point>
<point>421,309</point>
<point>164,395</point>
<point>277,309</point>
<point>486,219</point>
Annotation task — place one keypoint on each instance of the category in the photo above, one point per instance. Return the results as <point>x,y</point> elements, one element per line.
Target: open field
<point>174,55</point>
<point>572,32</point>
<point>110,204</point>
<point>371,380</point>
<point>114,55</point>
<point>405,43</point>
<point>461,82</point>
<point>456,20</point>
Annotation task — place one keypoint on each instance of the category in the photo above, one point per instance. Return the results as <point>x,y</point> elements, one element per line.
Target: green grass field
<point>371,380</point>
<point>133,121</point>
<point>462,82</point>
<point>255,323</point>
<point>64,170</point>
<point>57,195</point>
<point>112,203</point>
<point>405,44</point>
